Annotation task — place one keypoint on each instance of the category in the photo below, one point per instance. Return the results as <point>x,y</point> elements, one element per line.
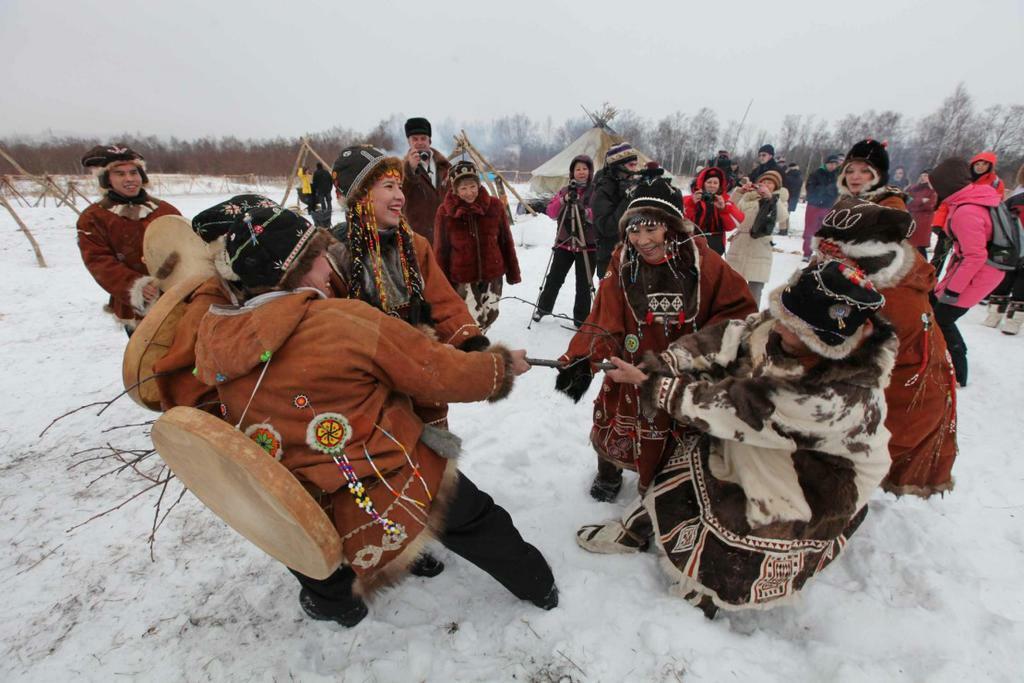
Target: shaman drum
<point>174,252</point>
<point>151,339</point>
<point>247,488</point>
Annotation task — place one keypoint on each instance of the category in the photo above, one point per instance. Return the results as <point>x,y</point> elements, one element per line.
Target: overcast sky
<point>257,69</point>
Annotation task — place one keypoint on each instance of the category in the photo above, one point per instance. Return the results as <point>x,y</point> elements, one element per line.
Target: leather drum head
<point>150,341</point>
<point>247,488</point>
<point>168,235</point>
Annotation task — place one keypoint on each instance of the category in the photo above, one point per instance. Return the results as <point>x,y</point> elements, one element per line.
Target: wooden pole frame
<point>24,228</point>
<point>463,141</point>
<point>7,186</point>
<point>304,149</point>
<point>46,182</point>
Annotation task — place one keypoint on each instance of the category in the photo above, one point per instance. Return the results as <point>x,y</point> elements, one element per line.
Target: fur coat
<point>630,318</point>
<point>318,381</point>
<point>750,257</point>
<point>473,242</point>
<point>110,240</point>
<point>788,451</point>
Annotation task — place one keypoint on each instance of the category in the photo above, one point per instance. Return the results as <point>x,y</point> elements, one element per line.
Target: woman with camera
<point>710,208</point>
<point>575,241</point>
<point>764,204</point>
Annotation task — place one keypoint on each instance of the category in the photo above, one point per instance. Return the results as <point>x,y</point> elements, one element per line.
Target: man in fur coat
<point>425,182</point>
<point>785,442</point>
<point>110,231</point>
<point>326,386</point>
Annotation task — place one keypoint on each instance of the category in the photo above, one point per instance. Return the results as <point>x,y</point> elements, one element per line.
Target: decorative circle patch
<point>267,438</point>
<point>632,343</point>
<point>328,433</point>
<point>300,401</point>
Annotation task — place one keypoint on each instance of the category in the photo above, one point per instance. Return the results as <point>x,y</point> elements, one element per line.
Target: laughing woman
<point>661,284</point>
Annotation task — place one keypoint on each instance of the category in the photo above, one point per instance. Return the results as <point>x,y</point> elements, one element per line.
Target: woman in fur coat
<point>661,284</point>
<point>750,249</point>
<point>474,244</point>
<point>870,226</point>
<point>784,443</point>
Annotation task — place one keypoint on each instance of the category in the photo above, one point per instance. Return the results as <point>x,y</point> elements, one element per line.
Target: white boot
<point>995,316</point>
<point>1014,319</point>
<point>609,538</point>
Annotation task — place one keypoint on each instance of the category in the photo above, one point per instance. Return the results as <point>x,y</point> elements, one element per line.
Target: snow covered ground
<point>926,591</point>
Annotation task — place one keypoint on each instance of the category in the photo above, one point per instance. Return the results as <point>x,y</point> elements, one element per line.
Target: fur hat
<point>462,169</point>
<point>856,221</point>
<point>767,149</point>
<point>101,158</point>
<point>773,176</point>
<point>213,224</point>
<point>826,305</point>
<point>417,126</point>
<point>584,159</point>
<point>873,153</point>
<point>359,166</point>
<point>264,242</point>
<point>949,176</point>
<point>622,153</point>
<point>655,200</point>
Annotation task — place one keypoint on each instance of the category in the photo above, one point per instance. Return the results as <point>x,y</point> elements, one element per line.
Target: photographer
<point>711,209</point>
<point>426,178</point>
<point>572,247</point>
<point>764,205</point>
<point>609,200</point>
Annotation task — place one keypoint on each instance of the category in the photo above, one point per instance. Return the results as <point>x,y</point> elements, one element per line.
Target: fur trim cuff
<point>138,302</point>
<point>503,366</point>
<point>477,343</point>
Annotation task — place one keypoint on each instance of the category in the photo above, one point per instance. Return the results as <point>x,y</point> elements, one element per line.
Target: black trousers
<point>561,261</point>
<point>324,200</point>
<point>716,240</point>
<point>478,530</point>
<point>1012,287</point>
<point>946,317</point>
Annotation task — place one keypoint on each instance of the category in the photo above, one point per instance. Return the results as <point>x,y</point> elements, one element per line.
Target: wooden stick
<point>545,363</point>
<point>295,169</point>
<point>319,158</point>
<point>24,228</point>
<point>469,146</point>
<point>22,171</point>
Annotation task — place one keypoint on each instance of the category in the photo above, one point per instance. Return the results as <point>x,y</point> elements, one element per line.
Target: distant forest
<point>680,141</point>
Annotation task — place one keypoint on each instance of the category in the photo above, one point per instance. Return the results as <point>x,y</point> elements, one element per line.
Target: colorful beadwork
<point>220,378</point>
<point>358,491</point>
<point>224,410</point>
<point>301,401</point>
<point>328,433</point>
<point>267,438</point>
<point>632,343</point>
<point>265,356</point>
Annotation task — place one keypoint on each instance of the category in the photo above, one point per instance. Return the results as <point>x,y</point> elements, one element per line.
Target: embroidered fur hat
<point>856,221</point>
<point>655,200</point>
<point>264,242</point>
<point>213,224</point>
<point>462,169</point>
<point>357,168</point>
<point>826,305</point>
<point>622,153</point>
<point>873,153</point>
<point>418,126</point>
<point>101,158</point>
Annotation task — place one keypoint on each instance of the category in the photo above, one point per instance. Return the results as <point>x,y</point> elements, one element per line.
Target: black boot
<point>607,481</point>
<point>345,612</point>
<point>426,565</point>
<point>549,601</point>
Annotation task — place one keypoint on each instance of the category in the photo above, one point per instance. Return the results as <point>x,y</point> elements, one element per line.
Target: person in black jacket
<point>609,200</point>
<point>766,162</point>
<point>793,181</point>
<point>323,185</point>
<point>822,193</point>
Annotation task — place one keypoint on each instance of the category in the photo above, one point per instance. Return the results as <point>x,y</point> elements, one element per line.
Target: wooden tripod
<point>304,149</point>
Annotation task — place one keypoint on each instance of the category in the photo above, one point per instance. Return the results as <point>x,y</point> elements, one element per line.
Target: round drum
<point>169,235</point>
<point>247,488</point>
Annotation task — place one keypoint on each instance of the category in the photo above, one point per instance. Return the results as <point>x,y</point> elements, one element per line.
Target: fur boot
<point>1014,318</point>
<point>996,311</point>
<point>608,538</point>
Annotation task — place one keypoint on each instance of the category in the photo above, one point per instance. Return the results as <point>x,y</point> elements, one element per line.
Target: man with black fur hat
<point>782,443</point>
<point>110,231</point>
<point>608,201</point>
<point>426,177</point>
<point>326,386</point>
<point>661,284</point>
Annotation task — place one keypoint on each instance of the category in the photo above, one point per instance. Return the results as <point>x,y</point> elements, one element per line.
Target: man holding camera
<point>710,208</point>
<point>609,200</point>
<point>426,178</point>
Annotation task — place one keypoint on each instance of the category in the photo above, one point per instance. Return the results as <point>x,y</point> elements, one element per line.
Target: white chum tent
<point>553,174</point>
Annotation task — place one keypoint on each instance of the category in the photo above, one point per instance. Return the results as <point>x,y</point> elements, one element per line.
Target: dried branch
<point>116,507</point>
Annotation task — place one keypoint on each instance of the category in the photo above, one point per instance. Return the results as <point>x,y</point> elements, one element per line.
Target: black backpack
<point>767,215</point>
<point>1006,248</point>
